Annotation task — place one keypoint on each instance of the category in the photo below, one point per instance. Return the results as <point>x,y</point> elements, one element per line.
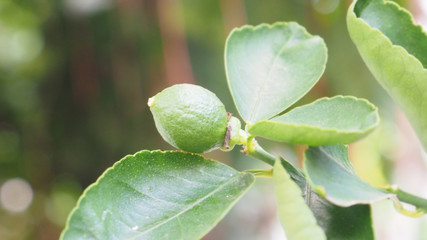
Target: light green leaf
<point>395,50</point>
<point>270,67</point>
<point>349,223</point>
<point>295,216</point>
<point>157,195</point>
<point>337,120</point>
<point>332,175</point>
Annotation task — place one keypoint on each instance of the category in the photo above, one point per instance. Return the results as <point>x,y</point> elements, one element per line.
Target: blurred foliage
<point>75,76</point>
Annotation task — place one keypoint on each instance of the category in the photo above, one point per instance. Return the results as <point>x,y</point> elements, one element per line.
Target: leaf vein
<point>145,194</point>
<point>184,210</point>
<point>258,93</point>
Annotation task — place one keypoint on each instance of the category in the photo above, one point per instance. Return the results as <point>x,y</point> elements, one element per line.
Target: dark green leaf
<point>157,195</point>
<point>270,67</point>
<point>295,216</point>
<point>337,120</point>
<point>349,223</point>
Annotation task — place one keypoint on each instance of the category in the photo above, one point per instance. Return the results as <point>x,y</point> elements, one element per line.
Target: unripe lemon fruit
<point>189,117</point>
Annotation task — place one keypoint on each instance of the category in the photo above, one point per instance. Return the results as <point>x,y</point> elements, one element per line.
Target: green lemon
<point>189,117</point>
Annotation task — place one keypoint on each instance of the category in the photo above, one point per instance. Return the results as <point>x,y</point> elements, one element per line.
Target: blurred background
<point>75,76</point>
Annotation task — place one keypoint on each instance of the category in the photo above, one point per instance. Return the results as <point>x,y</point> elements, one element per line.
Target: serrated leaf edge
<point>333,130</point>
<point>134,156</point>
<point>252,28</point>
<point>351,13</point>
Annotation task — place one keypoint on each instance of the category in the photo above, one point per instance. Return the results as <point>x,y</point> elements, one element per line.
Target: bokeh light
<point>85,7</point>
<point>61,201</point>
<point>325,6</point>
<point>16,195</point>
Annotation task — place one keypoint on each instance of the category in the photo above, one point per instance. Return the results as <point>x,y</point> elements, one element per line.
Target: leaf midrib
<point>258,93</point>
<point>185,209</point>
<point>338,162</point>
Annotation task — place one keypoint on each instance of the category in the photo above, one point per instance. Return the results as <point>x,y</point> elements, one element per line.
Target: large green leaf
<point>349,223</point>
<point>337,120</point>
<point>295,216</point>
<point>395,50</point>
<point>332,175</point>
<point>157,195</point>
<point>270,67</point>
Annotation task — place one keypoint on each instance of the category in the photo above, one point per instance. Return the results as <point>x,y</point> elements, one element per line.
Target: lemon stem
<point>254,150</point>
<point>268,173</point>
<point>419,203</point>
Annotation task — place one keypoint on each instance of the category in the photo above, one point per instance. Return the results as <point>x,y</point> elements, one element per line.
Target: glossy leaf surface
<point>337,120</point>
<point>394,49</point>
<point>270,67</point>
<point>157,195</point>
<point>350,223</point>
<point>333,176</point>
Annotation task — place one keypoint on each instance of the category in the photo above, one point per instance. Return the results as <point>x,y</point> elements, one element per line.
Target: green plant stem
<point>414,200</point>
<point>256,151</point>
<point>419,203</point>
<point>261,173</point>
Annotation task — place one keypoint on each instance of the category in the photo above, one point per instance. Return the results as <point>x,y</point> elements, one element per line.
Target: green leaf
<point>350,223</point>
<point>295,216</point>
<point>157,195</point>
<point>332,175</point>
<point>270,67</point>
<point>394,49</point>
<point>337,120</point>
